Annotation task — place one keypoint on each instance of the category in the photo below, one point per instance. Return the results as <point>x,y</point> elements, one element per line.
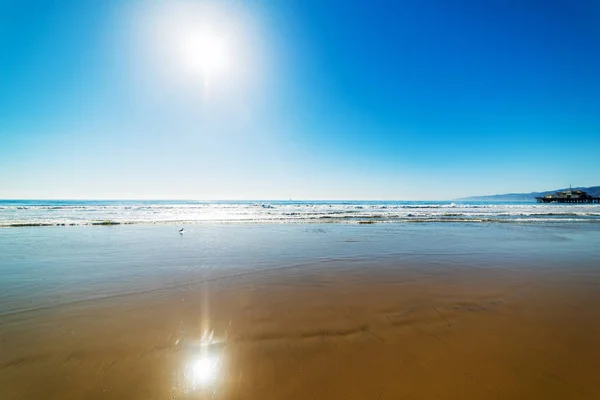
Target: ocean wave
<point>322,219</point>
<point>25,214</point>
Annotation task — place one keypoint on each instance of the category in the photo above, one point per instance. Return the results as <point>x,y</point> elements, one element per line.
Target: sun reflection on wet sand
<point>203,367</point>
<point>202,371</point>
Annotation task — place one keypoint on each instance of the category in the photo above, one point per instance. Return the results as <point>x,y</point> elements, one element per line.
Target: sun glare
<point>205,53</point>
<point>197,41</point>
<point>202,372</point>
<point>201,48</point>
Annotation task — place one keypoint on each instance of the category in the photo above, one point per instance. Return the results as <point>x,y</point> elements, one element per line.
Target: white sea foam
<point>24,213</point>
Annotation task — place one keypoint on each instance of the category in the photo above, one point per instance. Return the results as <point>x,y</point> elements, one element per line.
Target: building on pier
<point>568,196</point>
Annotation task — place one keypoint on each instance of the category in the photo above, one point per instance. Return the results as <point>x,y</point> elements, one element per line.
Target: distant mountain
<point>592,191</point>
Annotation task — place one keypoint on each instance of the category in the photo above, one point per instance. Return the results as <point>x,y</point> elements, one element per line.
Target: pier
<point>558,200</point>
<point>569,196</point>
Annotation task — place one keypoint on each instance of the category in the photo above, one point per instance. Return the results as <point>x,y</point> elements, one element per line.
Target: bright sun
<point>195,40</point>
<point>204,52</point>
<point>201,43</point>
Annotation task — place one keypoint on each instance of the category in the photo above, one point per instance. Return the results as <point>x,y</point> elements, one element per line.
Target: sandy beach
<point>355,328</point>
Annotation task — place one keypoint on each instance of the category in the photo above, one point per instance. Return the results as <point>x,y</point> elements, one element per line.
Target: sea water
<point>69,213</point>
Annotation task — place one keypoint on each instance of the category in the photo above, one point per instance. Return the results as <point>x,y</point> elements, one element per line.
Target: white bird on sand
<point>181,231</point>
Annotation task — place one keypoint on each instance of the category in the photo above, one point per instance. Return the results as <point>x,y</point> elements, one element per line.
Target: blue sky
<point>320,99</point>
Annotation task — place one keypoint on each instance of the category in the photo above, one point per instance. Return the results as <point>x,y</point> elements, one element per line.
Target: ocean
<point>19,213</point>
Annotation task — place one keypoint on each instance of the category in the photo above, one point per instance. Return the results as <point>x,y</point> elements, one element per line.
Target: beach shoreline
<point>381,317</point>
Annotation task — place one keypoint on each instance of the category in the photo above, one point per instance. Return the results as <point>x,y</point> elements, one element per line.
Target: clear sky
<point>423,99</point>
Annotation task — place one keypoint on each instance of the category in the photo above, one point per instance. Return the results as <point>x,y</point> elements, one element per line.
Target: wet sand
<point>397,330</point>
